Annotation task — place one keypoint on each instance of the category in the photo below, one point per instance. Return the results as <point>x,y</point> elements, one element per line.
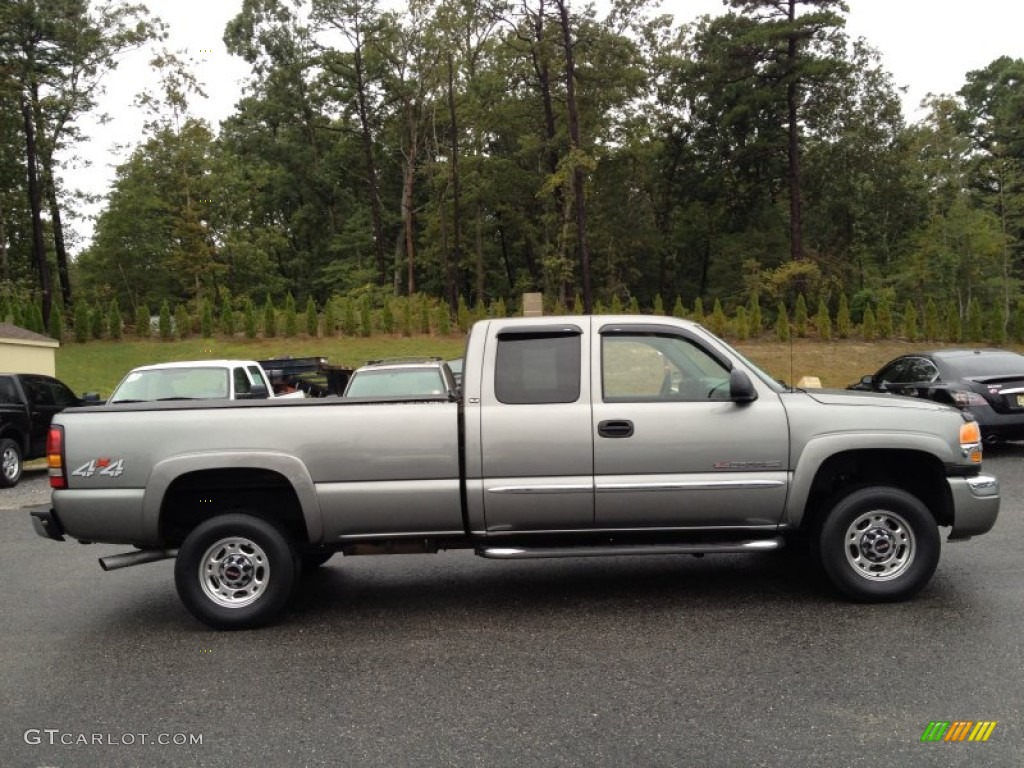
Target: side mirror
<point>741,388</point>
<point>867,381</point>
<point>91,398</point>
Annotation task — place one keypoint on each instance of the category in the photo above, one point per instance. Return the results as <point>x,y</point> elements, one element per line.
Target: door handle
<point>618,428</point>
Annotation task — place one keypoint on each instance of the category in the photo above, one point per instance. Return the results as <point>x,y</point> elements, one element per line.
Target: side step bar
<point>526,553</point>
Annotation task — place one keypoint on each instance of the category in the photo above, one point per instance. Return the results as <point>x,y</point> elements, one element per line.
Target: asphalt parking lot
<point>450,660</point>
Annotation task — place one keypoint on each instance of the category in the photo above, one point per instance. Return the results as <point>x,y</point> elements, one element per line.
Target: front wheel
<point>10,463</point>
<point>879,544</point>
<point>235,571</point>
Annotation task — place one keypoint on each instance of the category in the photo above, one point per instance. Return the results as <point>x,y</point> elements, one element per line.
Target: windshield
<point>396,381</point>
<point>199,383</point>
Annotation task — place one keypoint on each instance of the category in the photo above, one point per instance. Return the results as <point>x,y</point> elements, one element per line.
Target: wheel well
<point>198,496</point>
<point>917,473</point>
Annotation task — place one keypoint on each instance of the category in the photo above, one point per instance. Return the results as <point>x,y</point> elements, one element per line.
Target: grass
<point>98,366</point>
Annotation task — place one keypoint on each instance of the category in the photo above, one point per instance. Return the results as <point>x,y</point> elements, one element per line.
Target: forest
<point>448,156</point>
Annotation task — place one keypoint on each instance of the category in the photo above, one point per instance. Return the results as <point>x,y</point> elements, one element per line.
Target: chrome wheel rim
<point>10,463</point>
<point>234,572</point>
<point>880,545</point>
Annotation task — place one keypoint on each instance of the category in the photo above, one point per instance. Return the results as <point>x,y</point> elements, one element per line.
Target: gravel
<point>33,490</point>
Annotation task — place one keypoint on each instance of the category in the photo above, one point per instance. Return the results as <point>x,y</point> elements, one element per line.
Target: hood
<point>854,397</point>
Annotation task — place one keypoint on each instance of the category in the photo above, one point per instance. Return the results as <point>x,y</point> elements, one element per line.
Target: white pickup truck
<point>571,436</point>
<point>194,380</point>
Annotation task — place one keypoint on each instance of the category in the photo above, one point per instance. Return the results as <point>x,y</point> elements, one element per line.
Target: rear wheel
<point>10,463</point>
<point>878,544</point>
<point>235,571</point>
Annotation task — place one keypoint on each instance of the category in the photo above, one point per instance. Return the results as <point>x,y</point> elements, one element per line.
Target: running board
<point>708,548</point>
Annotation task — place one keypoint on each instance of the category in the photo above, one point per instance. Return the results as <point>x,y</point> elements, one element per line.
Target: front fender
<point>289,467</point>
<point>819,449</point>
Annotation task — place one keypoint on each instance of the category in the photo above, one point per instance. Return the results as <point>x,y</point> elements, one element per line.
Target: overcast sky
<point>927,45</point>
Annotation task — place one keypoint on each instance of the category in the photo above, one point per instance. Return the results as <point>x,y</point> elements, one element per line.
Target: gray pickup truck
<point>573,436</point>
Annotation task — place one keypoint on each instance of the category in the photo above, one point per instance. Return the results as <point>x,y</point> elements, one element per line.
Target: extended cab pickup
<point>28,401</point>
<point>574,436</point>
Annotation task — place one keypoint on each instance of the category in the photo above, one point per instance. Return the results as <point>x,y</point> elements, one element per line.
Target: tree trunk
<point>796,245</point>
<point>371,168</point>
<point>35,205</point>
<point>452,265</point>
<point>574,144</point>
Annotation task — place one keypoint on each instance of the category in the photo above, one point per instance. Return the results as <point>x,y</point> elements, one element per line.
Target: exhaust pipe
<point>114,562</point>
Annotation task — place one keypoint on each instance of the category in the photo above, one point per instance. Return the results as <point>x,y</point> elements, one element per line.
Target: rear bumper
<point>995,425</point>
<point>975,505</point>
<point>46,523</point>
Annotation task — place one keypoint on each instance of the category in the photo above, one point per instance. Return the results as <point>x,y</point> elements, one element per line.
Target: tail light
<point>55,457</point>
<point>964,399</point>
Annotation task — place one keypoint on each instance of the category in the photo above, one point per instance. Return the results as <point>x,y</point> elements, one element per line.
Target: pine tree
<point>444,319</point>
<point>249,319</point>
<point>823,321</point>
<point>932,326</point>
<point>616,305</point>
<point>291,319</point>
<point>718,321</point>
<point>182,321</point>
<point>756,322</point>
<point>365,317</point>
<point>782,331</point>
<point>975,321</point>
<point>313,319</point>
<point>678,310</point>
<point>56,330</point>
<point>97,321</point>
<point>424,305</point>
<point>742,323</point>
<point>800,316</point>
<point>883,325</point>
<point>206,320</point>
<point>269,318</point>
<point>997,324</point>
<point>577,306</point>
<point>166,329</point>
<point>659,305</point>
<point>407,316</point>
<point>142,329</point>
<point>500,310</point>
<point>462,315</point>
<point>349,325</point>
<point>634,306</point>
<point>843,322</point>
<point>698,310</point>
<point>387,318</point>
<point>227,319</point>
<point>114,321</point>
<point>868,328</point>
<point>1018,322</point>
<point>954,330</point>
<point>82,322</point>
<point>910,321</point>
<point>330,321</point>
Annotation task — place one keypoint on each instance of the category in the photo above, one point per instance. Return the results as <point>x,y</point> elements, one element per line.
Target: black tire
<point>10,463</point>
<point>235,571</point>
<point>878,544</point>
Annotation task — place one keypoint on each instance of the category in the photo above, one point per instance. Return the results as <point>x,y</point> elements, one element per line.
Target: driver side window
<point>659,368</point>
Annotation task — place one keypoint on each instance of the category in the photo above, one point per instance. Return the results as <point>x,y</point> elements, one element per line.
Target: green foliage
<point>800,316</point>
<point>387,318</point>
<point>910,331</point>
<point>741,323</point>
<point>97,321</point>
<point>698,310</point>
<point>227,319</point>
<point>291,319</point>
<point>142,329</point>
<point>975,321</point>
<point>659,305</point>
<point>35,318</point>
<point>330,318</point>
<point>868,328</point>
<point>269,318</point>
<point>424,311</point>
<point>678,310</point>
<point>823,322</point>
<point>444,319</point>
<point>616,308</point>
<point>114,321</point>
<point>249,319</point>
<point>312,318</point>
<point>407,316</point>
<point>756,322</point>
<point>782,331</point>
<point>462,315</point>
<point>718,320</point>
<point>997,324</point>
<point>577,306</point>
<point>82,322</point>
<point>349,324</point>
<point>166,329</point>
<point>56,330</point>
<point>182,321</point>
<point>884,325</point>
<point>1018,322</point>
<point>932,325</point>
<point>954,331</point>
<point>365,317</point>
<point>634,306</point>
<point>206,320</point>
<point>498,308</point>
<point>844,324</point>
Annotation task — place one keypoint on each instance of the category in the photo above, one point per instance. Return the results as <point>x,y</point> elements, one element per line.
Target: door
<point>536,442</point>
<point>671,450</point>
